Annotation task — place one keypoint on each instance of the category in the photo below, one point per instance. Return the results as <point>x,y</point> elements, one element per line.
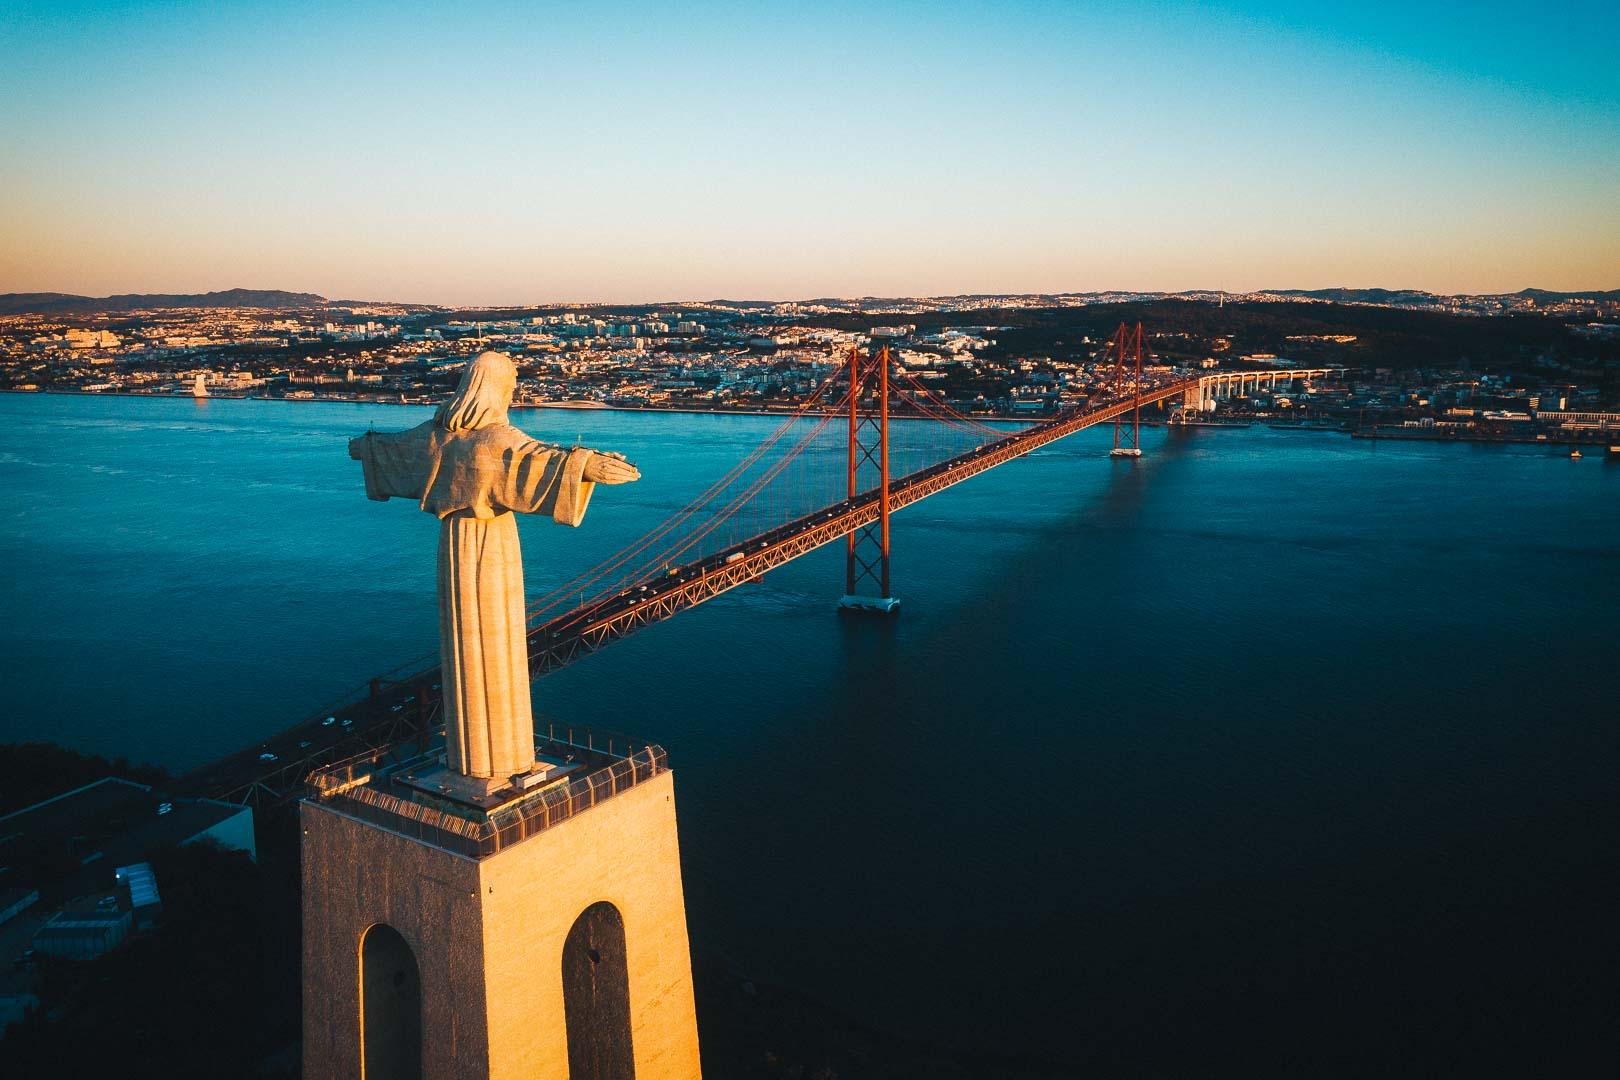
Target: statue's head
<point>484,395</point>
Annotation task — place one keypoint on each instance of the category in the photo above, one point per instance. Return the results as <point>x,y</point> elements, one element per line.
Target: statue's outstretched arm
<point>396,463</point>
<point>609,468</point>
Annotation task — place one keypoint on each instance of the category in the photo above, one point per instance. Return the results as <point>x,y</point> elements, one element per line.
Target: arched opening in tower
<point>596,996</point>
<point>390,1007</point>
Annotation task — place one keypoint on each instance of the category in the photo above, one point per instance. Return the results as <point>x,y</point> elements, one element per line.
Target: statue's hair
<point>482,398</point>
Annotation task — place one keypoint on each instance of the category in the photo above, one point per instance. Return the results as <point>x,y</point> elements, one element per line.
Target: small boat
<point>1124,451</point>
<point>1574,455</point>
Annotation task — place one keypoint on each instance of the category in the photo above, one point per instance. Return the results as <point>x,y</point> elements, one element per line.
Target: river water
<point>1271,747</point>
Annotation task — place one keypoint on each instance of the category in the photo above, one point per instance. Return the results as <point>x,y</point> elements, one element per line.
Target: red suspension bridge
<point>869,441</point>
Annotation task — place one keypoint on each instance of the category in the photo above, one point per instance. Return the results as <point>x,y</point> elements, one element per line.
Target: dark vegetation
<point>30,772</point>
<point>211,992</point>
<point>1385,337</point>
<point>1386,296</point>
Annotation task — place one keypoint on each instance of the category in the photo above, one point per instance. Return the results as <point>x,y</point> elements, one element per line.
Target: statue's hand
<point>608,468</point>
<point>357,448</point>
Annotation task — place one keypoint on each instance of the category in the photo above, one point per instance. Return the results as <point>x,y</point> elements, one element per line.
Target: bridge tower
<point>1128,440</point>
<point>866,558</point>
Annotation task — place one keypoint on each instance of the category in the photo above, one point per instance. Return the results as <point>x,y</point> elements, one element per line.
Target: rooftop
<point>71,843</point>
<point>411,792</point>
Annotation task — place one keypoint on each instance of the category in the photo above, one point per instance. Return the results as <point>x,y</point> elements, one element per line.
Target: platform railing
<point>347,787</point>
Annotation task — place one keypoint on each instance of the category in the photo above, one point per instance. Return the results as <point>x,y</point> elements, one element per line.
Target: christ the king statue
<point>473,470</point>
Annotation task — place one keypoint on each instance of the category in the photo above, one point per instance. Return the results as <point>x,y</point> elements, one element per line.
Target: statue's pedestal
<point>487,796</point>
<point>541,937</point>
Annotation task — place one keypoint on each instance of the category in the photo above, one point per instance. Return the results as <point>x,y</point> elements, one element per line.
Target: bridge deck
<point>577,633</point>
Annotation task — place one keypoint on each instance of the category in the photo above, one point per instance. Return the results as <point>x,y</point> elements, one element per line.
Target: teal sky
<point>490,153</point>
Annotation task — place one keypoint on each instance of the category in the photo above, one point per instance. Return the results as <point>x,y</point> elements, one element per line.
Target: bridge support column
<point>1128,441</point>
<point>867,556</point>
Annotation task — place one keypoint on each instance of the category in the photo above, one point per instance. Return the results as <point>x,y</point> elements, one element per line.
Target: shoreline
<point>1391,435</point>
<point>1551,438</point>
<point>564,406</point>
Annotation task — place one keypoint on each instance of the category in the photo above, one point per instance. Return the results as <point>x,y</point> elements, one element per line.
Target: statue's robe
<point>474,481</point>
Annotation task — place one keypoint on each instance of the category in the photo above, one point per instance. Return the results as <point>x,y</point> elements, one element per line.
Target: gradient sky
<point>490,153</point>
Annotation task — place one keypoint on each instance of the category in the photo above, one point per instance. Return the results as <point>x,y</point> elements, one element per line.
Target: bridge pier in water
<point>866,556</point>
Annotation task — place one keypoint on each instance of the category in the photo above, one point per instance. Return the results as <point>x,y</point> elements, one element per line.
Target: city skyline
<point>502,158</point>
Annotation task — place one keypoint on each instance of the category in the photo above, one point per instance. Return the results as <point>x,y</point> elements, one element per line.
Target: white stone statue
<point>473,470</point>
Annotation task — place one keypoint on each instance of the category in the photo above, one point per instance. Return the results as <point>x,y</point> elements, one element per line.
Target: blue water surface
<point>1278,746</point>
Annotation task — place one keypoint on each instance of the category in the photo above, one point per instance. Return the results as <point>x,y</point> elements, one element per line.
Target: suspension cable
<point>730,509</point>
<point>613,562</point>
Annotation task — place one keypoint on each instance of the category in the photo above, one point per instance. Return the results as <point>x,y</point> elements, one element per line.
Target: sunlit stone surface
<point>472,469</point>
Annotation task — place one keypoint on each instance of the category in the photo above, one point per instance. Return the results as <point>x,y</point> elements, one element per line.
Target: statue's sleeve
<point>549,480</point>
<point>396,463</point>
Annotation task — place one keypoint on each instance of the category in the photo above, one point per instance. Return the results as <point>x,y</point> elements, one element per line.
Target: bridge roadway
<point>407,709</point>
<point>580,632</point>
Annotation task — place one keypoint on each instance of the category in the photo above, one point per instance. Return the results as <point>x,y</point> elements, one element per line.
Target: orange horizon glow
<point>1015,149</point>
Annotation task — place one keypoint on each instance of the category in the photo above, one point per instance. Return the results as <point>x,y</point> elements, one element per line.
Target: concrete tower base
<point>536,945</point>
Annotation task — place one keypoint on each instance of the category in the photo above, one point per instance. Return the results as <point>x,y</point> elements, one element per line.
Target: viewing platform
<point>416,795</point>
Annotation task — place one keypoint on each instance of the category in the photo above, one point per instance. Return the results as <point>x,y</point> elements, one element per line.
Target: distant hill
<point>1542,296</point>
<point>1419,296</point>
<point>69,304</point>
<point>1362,296</point>
<point>747,303</point>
